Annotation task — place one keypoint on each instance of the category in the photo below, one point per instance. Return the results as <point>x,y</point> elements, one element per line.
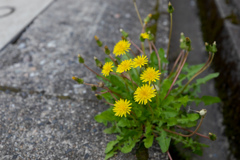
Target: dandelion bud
<point>94,87</point>
<point>170,8</point>
<point>80,59</point>
<point>203,112</point>
<point>79,80</point>
<point>214,47</point>
<point>124,34</point>
<point>98,41</point>
<point>212,136</point>
<point>98,63</point>
<point>147,19</point>
<point>98,96</point>
<point>188,44</point>
<point>106,50</point>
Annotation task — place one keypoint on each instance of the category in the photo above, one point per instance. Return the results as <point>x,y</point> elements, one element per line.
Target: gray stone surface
<point>15,16</point>
<point>44,113</point>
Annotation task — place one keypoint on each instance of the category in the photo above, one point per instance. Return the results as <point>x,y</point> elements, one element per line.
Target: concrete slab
<point>15,15</point>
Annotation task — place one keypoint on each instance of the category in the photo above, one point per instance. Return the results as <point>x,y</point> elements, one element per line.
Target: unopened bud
<point>147,19</point>
<point>80,59</point>
<point>98,96</point>
<point>98,63</point>
<point>94,87</point>
<point>212,136</point>
<point>203,112</point>
<point>170,8</point>
<point>124,34</point>
<point>214,47</point>
<point>107,51</point>
<point>79,80</point>
<point>99,43</point>
<point>188,44</point>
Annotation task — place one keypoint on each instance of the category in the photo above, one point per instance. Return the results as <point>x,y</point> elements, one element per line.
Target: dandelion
<point>150,75</point>
<point>121,107</point>
<point>145,35</point>
<point>124,66</point>
<point>144,94</point>
<point>107,68</point>
<point>121,47</point>
<point>140,61</point>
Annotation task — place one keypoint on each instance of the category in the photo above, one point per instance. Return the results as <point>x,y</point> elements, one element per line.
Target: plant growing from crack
<point>145,101</point>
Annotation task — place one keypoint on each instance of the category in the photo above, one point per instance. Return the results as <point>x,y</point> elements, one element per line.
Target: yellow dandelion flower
<point>121,107</point>
<point>140,61</point>
<point>150,75</point>
<point>144,94</point>
<point>145,35</point>
<point>121,47</point>
<point>107,68</point>
<point>124,66</point>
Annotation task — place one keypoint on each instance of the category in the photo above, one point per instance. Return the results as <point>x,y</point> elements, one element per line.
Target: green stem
<point>170,34</point>
<point>139,17</point>
<point>151,110</point>
<point>143,48</point>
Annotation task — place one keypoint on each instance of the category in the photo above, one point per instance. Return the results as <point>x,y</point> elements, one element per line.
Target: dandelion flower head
<point>144,94</point>
<point>124,66</point>
<point>145,35</point>
<point>121,47</point>
<point>122,107</point>
<point>107,68</point>
<point>150,75</point>
<point>140,61</point>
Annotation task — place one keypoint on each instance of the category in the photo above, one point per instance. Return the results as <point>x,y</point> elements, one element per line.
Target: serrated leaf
<point>105,116</point>
<point>128,146</point>
<point>163,141</point>
<point>111,130</point>
<point>171,122</point>
<point>148,141</point>
<point>148,128</point>
<point>208,100</point>
<point>110,154</point>
<point>110,145</point>
<point>117,81</point>
<point>183,100</point>
<point>170,113</point>
<point>193,116</point>
<point>125,123</point>
<point>207,78</point>
<point>165,103</point>
<point>161,53</point>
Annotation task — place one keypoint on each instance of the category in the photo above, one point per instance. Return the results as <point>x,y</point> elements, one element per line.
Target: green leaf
<point>207,78</point>
<point>124,122</point>
<point>128,146</point>
<point>170,113</point>
<point>183,100</point>
<point>193,116</point>
<point>166,84</point>
<point>148,128</point>
<point>171,122</point>
<point>108,97</point>
<point>117,81</point>
<point>148,141</point>
<point>106,116</point>
<point>110,145</point>
<point>163,141</point>
<point>165,103</point>
<point>153,60</point>
<point>161,53</point>
<point>208,100</point>
<point>110,154</point>
<point>112,130</point>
